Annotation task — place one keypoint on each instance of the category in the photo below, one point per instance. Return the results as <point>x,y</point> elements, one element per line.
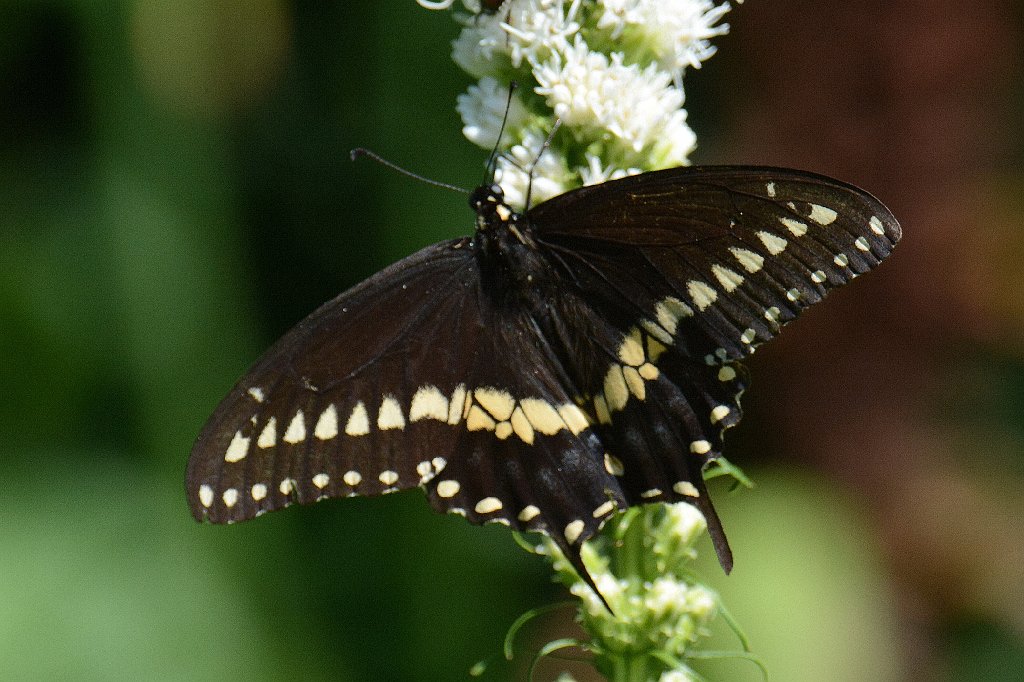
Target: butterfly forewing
<point>325,411</point>
<point>746,248</point>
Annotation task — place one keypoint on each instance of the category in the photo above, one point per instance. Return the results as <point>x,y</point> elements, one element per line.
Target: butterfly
<point>554,367</point>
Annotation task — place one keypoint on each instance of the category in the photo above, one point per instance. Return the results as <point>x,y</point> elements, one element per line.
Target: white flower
<point>483,107</point>
<point>596,172</point>
<point>640,107</point>
<point>677,32</point>
<point>686,522</point>
<point>537,28</point>
<point>678,676</point>
<point>523,31</point>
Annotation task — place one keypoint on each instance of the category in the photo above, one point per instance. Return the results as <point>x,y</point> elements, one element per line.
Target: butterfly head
<point>488,201</point>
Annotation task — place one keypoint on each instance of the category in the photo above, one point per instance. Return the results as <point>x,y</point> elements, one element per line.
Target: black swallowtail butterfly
<point>556,366</point>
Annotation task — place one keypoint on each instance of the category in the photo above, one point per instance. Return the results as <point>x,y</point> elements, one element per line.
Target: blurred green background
<point>175,192</point>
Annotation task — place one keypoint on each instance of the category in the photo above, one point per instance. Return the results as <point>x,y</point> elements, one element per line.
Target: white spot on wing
<point>352,478</point>
<point>574,530</point>
<point>606,508</point>
<point>774,243</point>
<point>529,513</point>
<point>230,497</point>
<point>359,421</point>
<point>388,477</point>
<point>823,215</point>
<point>448,489</point>
<point>287,486</point>
<point>728,278</point>
<point>613,465</point>
<point>726,374</point>
<point>841,259</point>
<point>257,393</point>
<point>488,505</point>
<point>701,293</point>
<point>268,436</point>
<point>772,314</point>
<point>700,447</point>
<point>719,413</point>
<point>770,188</point>
<point>327,424</point>
<point>796,227</point>
<point>862,244</point>
<point>748,336</point>
<point>750,261</point>
<point>648,494</point>
<point>876,226</point>
<point>321,480</point>
<point>296,431</point>
<point>259,491</point>
<point>686,488</point>
<point>205,495</point>
<point>818,276</point>
<point>238,448</point>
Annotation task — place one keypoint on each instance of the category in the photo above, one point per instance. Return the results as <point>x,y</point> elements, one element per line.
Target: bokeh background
<point>175,192</point>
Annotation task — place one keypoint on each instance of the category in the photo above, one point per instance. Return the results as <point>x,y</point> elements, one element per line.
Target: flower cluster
<point>609,70</point>
<point>640,562</point>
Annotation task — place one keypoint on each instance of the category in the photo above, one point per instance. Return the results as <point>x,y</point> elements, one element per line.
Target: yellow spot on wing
<point>499,403</point>
<point>478,420</point>
<point>574,418</point>
<point>615,391</point>
<point>635,382</point>
<point>542,415</point>
<point>796,227</point>
<point>429,403</point>
<point>390,414</point>
<point>456,410</point>
<point>631,352</point>
<point>669,311</point>
<point>521,425</point>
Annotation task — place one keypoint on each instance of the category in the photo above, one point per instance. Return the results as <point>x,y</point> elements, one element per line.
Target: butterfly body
<point>557,366</point>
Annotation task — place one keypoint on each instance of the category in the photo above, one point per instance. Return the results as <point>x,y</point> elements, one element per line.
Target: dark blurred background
<point>175,192</point>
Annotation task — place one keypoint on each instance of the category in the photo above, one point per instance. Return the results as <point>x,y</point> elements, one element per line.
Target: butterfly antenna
<point>359,152</point>
<point>492,160</point>
<point>533,166</point>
